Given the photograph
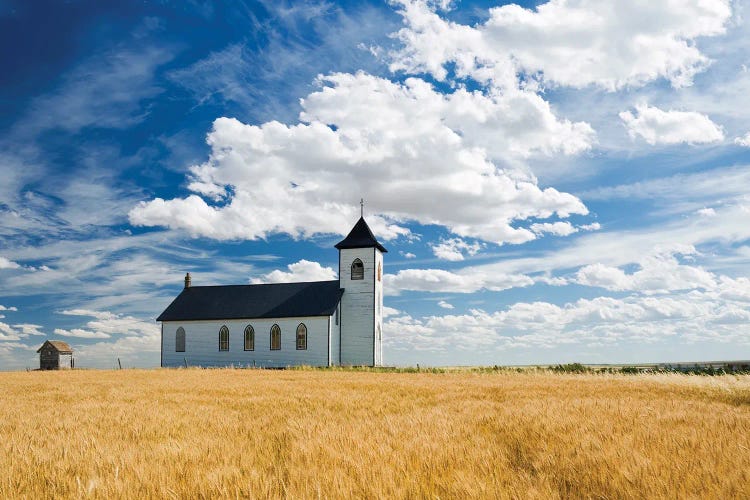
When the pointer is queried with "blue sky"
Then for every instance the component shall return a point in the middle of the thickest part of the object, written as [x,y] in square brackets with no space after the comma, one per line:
[555,182]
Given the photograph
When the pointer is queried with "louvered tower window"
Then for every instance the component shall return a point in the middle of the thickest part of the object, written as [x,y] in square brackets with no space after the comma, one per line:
[358,270]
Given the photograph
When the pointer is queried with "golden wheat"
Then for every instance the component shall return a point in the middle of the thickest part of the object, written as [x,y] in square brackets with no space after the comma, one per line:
[320,434]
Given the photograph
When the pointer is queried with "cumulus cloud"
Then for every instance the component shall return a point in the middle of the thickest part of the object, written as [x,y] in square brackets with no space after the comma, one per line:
[19,331]
[556,228]
[743,141]
[453,249]
[27,329]
[118,335]
[659,272]
[106,324]
[301,271]
[16,332]
[390,311]
[706,212]
[562,228]
[8,264]
[401,145]
[439,280]
[721,315]
[81,333]
[445,305]
[407,255]
[594,226]
[671,127]
[573,43]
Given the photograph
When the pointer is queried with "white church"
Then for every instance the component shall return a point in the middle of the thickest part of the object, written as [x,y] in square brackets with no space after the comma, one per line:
[319,323]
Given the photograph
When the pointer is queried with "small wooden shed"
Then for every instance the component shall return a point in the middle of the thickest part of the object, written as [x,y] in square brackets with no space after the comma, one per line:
[55,355]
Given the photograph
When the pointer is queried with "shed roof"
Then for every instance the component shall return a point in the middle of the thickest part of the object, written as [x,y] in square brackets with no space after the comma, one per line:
[360,237]
[59,345]
[277,300]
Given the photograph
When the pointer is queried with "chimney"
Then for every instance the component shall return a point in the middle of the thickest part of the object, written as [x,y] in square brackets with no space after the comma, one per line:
[187,280]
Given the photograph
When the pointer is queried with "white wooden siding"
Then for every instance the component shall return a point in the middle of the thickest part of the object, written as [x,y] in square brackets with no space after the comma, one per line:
[336,339]
[358,307]
[202,343]
[65,361]
[378,340]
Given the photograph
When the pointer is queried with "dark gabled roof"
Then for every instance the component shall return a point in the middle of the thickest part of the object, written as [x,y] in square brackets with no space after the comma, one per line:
[360,237]
[59,345]
[278,300]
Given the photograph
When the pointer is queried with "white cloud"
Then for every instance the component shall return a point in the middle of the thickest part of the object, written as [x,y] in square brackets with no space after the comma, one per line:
[301,271]
[81,333]
[743,141]
[18,331]
[706,212]
[29,329]
[716,183]
[407,255]
[453,249]
[594,226]
[122,336]
[7,332]
[693,316]
[445,305]
[574,43]
[556,228]
[671,127]
[102,315]
[659,272]
[8,264]
[105,324]
[390,311]
[401,145]
[439,280]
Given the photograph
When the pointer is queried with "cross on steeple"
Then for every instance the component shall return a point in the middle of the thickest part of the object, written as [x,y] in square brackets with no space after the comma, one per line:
[362,207]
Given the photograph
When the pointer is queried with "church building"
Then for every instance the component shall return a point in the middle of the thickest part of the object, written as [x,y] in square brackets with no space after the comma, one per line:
[319,323]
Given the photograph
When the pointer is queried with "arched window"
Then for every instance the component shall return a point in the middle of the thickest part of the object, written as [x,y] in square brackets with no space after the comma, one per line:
[275,338]
[224,338]
[301,337]
[358,270]
[249,338]
[380,271]
[179,340]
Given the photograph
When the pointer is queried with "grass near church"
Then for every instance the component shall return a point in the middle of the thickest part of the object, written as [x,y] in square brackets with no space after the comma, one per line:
[317,434]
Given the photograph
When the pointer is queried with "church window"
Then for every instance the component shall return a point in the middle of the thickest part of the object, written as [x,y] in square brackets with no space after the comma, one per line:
[358,270]
[275,338]
[224,338]
[179,340]
[249,338]
[301,337]
[380,272]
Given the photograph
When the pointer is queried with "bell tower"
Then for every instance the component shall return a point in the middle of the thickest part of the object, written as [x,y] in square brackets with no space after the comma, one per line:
[361,277]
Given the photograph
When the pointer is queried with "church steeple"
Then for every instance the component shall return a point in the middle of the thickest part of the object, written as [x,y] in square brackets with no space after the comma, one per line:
[361,278]
[360,237]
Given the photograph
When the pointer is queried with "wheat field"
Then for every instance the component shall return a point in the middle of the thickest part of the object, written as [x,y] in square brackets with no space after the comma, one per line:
[350,434]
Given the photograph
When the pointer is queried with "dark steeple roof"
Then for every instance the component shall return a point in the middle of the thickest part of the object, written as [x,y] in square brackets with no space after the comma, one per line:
[360,237]
[277,300]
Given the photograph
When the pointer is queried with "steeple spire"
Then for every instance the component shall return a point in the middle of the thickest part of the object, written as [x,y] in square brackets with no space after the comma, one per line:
[362,207]
[360,237]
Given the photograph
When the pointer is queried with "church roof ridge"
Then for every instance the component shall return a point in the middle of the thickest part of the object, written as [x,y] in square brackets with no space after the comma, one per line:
[283,283]
[263,300]
[360,237]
